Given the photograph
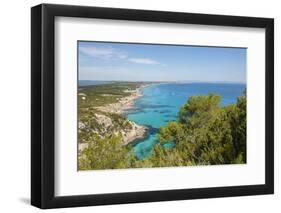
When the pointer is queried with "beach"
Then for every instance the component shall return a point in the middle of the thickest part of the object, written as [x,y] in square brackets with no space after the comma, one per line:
[105,117]
[123,105]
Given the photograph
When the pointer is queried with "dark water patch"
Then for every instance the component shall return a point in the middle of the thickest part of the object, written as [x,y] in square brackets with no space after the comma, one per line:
[154,106]
[165,111]
[170,120]
[170,116]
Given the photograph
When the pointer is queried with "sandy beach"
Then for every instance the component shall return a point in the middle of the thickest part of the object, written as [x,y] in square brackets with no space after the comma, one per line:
[123,105]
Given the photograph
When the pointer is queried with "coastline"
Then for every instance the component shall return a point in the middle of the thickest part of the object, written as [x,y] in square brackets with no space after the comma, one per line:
[137,132]
[124,104]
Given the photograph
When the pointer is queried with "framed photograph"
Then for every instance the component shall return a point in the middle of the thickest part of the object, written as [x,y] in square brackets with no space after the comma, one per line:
[139,106]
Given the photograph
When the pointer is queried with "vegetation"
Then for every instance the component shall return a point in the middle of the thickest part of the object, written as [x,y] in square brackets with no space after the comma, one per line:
[98,130]
[103,94]
[92,97]
[105,153]
[203,134]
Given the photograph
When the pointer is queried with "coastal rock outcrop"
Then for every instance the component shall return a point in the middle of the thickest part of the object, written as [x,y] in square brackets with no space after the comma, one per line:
[109,119]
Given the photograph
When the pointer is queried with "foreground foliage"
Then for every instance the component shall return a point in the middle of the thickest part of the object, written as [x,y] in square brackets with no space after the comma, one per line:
[104,153]
[203,134]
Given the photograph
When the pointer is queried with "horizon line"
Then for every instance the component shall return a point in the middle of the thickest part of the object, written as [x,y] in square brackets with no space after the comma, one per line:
[177,81]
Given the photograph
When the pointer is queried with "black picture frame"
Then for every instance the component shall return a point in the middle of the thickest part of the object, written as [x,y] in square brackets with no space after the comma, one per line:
[43,102]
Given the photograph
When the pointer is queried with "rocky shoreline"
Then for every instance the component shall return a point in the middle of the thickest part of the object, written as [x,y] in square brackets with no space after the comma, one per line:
[124,104]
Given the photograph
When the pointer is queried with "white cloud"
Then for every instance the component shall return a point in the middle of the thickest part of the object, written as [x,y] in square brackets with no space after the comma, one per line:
[111,53]
[104,53]
[143,61]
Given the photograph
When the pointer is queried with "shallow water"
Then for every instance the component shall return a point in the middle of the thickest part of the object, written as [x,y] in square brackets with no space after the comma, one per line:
[160,104]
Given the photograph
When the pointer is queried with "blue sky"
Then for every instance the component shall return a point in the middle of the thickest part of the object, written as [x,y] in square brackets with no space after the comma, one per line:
[145,62]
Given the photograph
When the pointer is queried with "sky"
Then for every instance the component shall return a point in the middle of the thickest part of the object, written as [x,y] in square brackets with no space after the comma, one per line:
[107,61]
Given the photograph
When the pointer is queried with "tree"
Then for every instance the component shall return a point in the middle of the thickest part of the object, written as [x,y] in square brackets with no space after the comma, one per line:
[238,121]
[104,153]
[206,133]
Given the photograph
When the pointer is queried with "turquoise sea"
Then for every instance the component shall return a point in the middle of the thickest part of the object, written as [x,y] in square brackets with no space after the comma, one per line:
[161,102]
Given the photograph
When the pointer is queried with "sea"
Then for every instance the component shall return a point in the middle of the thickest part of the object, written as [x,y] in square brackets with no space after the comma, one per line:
[161,102]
